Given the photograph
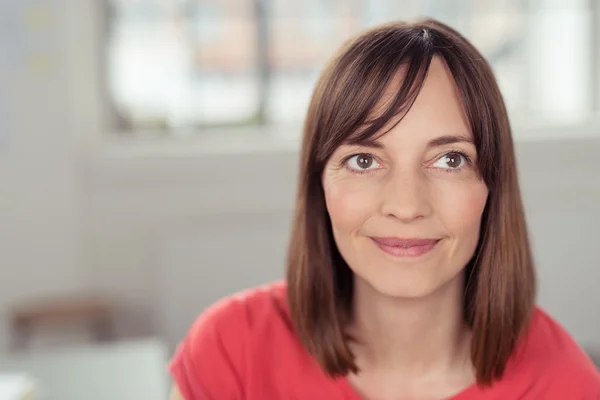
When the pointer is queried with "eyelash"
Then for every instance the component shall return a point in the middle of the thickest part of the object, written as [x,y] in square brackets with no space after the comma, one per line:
[462,154]
[344,163]
[367,171]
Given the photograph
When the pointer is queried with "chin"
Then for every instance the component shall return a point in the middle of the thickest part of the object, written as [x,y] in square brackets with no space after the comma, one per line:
[399,287]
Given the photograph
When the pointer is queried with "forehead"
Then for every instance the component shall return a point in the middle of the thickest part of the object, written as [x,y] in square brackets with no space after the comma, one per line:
[437,109]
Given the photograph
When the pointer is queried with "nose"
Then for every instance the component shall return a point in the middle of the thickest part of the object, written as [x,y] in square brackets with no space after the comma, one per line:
[405,196]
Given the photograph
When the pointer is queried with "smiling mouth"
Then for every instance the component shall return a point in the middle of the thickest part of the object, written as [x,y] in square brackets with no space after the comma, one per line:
[400,247]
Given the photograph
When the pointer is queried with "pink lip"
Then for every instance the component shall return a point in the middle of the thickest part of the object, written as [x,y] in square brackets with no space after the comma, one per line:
[405,247]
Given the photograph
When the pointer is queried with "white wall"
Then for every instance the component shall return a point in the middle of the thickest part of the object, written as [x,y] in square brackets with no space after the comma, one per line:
[168,229]
[175,233]
[39,192]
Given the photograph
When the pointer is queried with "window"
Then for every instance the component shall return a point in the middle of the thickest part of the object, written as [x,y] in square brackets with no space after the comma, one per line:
[182,64]
[178,66]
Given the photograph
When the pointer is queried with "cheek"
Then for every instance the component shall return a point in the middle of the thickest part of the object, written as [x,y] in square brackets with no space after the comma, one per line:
[349,202]
[461,207]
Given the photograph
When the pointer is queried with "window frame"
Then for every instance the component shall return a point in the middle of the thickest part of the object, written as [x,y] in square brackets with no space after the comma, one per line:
[265,71]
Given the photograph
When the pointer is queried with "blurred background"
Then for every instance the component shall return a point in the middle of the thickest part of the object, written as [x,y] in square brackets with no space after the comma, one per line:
[148,156]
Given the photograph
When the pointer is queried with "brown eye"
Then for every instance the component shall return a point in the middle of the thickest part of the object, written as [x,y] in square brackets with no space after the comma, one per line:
[454,160]
[362,162]
[451,161]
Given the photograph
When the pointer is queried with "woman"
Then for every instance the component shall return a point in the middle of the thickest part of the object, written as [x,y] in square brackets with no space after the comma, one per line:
[410,273]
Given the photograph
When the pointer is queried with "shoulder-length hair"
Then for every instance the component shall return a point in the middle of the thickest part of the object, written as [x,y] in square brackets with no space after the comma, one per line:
[500,280]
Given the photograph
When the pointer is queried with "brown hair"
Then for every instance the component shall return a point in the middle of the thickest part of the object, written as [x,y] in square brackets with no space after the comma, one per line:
[500,279]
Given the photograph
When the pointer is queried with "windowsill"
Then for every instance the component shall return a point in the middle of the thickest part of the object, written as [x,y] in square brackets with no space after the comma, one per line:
[266,158]
[218,141]
[280,139]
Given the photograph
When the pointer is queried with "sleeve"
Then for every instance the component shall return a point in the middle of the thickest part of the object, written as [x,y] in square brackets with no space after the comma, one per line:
[208,363]
[591,394]
[576,379]
[594,391]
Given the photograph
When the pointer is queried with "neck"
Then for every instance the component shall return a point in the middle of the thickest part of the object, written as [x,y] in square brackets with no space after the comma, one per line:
[411,335]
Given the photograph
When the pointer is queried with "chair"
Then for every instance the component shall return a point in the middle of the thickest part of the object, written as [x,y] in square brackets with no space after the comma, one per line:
[93,313]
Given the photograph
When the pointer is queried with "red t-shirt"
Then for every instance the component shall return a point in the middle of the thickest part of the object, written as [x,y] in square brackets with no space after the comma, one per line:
[244,348]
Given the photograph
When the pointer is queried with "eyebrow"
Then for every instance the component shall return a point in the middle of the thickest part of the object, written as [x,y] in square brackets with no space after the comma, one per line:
[451,139]
[436,142]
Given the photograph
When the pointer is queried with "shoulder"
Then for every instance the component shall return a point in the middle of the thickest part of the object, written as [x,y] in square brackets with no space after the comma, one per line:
[211,361]
[560,367]
[241,312]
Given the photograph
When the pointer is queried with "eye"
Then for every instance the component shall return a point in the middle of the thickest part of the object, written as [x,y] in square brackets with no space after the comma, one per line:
[451,161]
[362,162]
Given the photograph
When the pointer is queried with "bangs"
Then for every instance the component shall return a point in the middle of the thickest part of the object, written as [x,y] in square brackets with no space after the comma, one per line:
[356,104]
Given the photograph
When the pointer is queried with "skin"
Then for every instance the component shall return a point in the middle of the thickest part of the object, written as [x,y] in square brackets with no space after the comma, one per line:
[419,180]
[176,394]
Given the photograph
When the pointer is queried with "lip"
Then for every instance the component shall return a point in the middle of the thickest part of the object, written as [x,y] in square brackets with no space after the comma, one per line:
[409,248]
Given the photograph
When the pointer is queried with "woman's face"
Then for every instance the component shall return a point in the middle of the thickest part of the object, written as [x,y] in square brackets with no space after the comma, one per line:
[406,209]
